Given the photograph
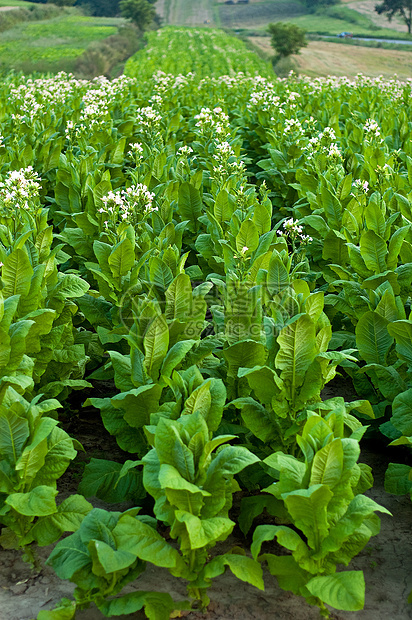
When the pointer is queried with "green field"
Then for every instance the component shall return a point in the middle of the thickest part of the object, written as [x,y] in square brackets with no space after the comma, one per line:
[259,14]
[52,43]
[17,3]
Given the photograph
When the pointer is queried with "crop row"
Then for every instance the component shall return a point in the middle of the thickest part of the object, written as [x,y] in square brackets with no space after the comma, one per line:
[213,249]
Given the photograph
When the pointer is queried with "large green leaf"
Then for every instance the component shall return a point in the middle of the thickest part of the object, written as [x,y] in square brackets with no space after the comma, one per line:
[70,286]
[297,343]
[60,452]
[244,568]
[257,418]
[143,541]
[244,354]
[398,479]
[69,556]
[16,274]
[372,338]
[263,381]
[284,535]
[357,512]
[175,356]
[345,590]
[289,574]
[68,518]
[402,332]
[138,404]
[179,298]
[190,205]
[327,466]
[308,509]
[37,503]
[121,259]
[156,344]
[230,460]
[160,274]
[103,479]
[402,413]
[203,532]
[107,560]
[373,251]
[14,432]
[65,610]
[278,276]
[157,605]
[247,237]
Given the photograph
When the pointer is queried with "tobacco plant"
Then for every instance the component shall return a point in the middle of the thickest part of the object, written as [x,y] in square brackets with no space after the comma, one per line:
[34,453]
[101,559]
[331,519]
[192,482]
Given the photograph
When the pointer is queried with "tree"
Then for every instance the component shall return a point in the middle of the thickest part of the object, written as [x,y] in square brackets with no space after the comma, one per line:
[396,7]
[287,39]
[140,12]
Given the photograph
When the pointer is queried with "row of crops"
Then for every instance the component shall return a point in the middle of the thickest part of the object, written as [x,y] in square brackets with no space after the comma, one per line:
[206,253]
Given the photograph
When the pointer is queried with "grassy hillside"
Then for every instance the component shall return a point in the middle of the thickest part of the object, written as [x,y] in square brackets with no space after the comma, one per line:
[52,44]
[330,21]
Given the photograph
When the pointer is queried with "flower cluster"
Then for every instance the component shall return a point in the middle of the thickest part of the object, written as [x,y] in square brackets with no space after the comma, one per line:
[226,163]
[371,128]
[20,190]
[215,120]
[293,126]
[292,229]
[184,151]
[136,151]
[148,118]
[363,186]
[129,205]
[324,143]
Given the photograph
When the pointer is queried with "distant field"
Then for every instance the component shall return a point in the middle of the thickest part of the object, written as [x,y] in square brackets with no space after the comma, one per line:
[18,3]
[259,14]
[321,58]
[186,12]
[332,26]
[51,41]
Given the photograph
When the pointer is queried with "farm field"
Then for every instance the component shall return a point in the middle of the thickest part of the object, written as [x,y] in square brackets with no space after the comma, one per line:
[186,12]
[206,340]
[321,58]
[52,41]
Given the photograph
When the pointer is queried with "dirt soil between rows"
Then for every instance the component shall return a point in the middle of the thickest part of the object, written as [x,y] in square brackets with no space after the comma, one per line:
[386,561]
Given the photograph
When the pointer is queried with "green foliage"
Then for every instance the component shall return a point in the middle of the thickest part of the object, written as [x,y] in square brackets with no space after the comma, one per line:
[287,39]
[192,485]
[390,8]
[208,251]
[140,12]
[100,560]
[332,521]
[34,453]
